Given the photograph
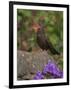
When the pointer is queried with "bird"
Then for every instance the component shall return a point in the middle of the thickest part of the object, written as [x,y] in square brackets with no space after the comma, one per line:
[43,41]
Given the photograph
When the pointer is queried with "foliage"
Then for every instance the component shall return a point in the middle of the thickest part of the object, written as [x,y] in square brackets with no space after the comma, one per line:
[53,28]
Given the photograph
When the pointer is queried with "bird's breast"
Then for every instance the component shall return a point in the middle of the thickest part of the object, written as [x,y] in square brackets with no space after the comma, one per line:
[41,41]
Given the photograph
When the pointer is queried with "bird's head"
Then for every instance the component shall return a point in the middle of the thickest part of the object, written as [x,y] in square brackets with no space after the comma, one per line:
[36,27]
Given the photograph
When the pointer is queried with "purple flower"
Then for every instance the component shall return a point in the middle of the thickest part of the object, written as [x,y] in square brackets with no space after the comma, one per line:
[52,68]
[38,76]
[61,74]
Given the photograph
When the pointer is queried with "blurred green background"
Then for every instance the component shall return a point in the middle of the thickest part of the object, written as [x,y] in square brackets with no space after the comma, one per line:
[26,37]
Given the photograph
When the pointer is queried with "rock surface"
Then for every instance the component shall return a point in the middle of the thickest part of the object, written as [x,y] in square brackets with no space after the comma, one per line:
[28,63]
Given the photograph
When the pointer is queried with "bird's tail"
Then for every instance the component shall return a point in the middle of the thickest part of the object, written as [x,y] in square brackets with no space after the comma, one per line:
[54,51]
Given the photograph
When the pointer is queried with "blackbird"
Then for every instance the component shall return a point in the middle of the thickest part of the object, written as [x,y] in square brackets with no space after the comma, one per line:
[43,41]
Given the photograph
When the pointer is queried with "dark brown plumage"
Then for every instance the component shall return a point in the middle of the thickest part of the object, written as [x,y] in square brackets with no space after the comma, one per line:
[43,42]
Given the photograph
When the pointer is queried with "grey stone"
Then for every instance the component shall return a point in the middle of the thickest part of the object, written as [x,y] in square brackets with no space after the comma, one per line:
[28,63]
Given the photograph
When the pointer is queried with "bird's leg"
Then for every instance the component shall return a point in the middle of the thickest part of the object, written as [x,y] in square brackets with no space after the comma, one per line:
[44,50]
[48,51]
[41,50]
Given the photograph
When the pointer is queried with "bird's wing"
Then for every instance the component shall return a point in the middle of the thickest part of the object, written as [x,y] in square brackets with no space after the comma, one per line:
[51,47]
